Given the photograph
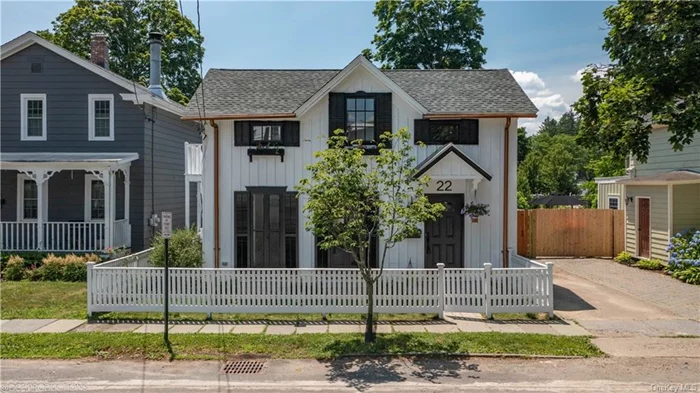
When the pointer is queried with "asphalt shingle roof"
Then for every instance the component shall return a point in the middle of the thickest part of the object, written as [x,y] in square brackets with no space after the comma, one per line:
[231,92]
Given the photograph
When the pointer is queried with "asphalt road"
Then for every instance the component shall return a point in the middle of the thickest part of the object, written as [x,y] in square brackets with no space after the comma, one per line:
[363,375]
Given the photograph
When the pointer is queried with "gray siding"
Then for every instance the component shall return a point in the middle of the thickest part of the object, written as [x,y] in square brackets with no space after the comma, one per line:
[662,157]
[8,195]
[659,219]
[67,86]
[686,207]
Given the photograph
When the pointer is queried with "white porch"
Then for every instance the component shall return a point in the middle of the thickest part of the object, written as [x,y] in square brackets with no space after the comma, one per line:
[99,230]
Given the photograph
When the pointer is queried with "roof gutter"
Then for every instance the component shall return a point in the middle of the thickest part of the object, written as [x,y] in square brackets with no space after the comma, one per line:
[242,116]
[437,116]
[506,150]
[217,247]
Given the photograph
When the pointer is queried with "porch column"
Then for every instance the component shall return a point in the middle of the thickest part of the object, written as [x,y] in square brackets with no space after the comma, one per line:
[39,179]
[113,203]
[127,199]
[199,205]
[187,199]
[107,183]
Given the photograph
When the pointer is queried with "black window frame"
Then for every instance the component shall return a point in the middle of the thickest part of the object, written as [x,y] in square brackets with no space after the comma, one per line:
[362,95]
[266,143]
[467,131]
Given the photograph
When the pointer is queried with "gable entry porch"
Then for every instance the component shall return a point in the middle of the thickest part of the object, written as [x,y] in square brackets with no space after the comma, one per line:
[65,202]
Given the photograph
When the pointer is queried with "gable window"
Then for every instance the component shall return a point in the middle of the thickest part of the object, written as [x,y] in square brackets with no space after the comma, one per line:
[613,202]
[359,120]
[101,117]
[33,123]
[440,132]
[267,133]
[28,198]
[94,198]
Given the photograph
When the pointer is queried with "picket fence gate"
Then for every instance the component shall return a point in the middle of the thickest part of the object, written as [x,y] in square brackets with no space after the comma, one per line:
[485,290]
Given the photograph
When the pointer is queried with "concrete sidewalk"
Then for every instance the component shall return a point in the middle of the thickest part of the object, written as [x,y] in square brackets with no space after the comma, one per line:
[454,323]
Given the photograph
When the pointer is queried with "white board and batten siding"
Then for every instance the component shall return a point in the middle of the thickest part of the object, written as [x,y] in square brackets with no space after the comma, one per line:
[482,242]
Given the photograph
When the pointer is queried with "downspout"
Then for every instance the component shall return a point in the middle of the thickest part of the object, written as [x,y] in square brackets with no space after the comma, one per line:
[506,150]
[216,193]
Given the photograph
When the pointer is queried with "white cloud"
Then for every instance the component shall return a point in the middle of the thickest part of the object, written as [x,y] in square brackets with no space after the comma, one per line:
[578,75]
[547,101]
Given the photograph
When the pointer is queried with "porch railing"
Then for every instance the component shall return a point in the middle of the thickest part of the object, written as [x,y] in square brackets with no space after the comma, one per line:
[122,233]
[19,236]
[74,236]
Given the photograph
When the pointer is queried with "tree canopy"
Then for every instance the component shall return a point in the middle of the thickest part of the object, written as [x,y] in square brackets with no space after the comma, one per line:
[654,47]
[127,24]
[428,34]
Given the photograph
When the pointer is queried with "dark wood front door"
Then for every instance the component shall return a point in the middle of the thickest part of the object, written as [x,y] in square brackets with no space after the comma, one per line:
[643,227]
[444,240]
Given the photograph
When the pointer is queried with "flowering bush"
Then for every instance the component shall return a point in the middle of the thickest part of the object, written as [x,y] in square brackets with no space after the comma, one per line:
[684,250]
[14,271]
[475,209]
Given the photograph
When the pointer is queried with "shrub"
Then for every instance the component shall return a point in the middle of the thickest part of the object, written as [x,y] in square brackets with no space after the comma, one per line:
[31,258]
[684,250]
[75,271]
[650,264]
[92,258]
[52,268]
[14,270]
[624,257]
[690,275]
[185,249]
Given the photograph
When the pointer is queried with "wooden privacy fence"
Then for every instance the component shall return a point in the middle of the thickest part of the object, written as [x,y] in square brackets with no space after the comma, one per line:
[571,232]
[484,290]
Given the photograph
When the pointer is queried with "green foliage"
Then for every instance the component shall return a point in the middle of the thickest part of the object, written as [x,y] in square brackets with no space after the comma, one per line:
[184,249]
[14,270]
[523,201]
[649,264]
[624,257]
[690,275]
[428,34]
[567,124]
[523,144]
[654,47]
[127,24]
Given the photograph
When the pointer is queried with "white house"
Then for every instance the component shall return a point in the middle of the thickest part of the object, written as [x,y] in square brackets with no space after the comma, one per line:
[263,126]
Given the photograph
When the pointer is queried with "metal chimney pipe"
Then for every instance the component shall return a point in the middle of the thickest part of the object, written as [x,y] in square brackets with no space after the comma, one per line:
[155,40]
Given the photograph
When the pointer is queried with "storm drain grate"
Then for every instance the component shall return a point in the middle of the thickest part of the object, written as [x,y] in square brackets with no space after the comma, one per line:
[242,367]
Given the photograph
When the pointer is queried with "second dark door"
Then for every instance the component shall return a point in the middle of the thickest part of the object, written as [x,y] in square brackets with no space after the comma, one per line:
[444,240]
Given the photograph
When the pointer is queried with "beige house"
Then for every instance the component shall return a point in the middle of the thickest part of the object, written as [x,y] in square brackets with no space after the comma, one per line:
[660,197]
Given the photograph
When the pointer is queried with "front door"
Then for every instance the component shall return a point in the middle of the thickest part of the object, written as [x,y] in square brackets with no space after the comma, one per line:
[444,240]
[643,227]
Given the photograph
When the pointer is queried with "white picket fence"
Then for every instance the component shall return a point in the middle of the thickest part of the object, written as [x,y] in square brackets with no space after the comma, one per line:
[485,290]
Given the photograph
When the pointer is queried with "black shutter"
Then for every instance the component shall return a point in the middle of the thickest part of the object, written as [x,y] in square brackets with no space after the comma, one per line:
[336,112]
[242,218]
[290,133]
[241,133]
[469,132]
[421,130]
[291,225]
[382,122]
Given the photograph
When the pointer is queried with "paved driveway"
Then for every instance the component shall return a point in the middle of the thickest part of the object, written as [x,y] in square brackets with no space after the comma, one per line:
[612,300]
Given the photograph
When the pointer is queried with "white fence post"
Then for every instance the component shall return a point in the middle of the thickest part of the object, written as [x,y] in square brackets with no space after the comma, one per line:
[550,288]
[441,289]
[90,266]
[487,290]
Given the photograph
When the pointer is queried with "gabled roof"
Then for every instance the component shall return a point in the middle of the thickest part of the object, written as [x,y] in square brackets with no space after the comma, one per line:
[289,93]
[679,176]
[430,161]
[137,91]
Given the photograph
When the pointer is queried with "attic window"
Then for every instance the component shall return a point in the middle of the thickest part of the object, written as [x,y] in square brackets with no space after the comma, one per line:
[37,68]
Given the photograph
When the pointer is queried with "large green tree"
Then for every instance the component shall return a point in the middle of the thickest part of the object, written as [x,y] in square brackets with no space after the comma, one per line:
[428,34]
[351,200]
[654,47]
[127,24]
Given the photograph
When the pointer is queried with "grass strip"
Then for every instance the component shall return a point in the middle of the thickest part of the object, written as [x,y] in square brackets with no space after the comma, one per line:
[114,346]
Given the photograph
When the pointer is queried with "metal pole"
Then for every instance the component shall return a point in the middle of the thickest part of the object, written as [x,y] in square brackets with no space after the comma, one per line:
[166,291]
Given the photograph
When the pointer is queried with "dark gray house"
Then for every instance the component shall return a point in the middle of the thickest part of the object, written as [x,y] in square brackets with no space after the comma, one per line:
[86,156]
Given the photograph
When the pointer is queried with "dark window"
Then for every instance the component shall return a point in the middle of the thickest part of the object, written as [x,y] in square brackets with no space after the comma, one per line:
[359,119]
[444,132]
[31,200]
[263,133]
[613,203]
[440,132]
[36,68]
[35,118]
[97,200]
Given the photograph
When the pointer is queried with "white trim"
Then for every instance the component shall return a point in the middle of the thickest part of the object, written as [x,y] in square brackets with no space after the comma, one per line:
[359,61]
[24,98]
[21,177]
[669,211]
[92,98]
[609,180]
[28,39]
[636,225]
[87,205]
[616,197]
[661,182]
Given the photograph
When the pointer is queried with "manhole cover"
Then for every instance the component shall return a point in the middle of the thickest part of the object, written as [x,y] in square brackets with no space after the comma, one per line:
[242,367]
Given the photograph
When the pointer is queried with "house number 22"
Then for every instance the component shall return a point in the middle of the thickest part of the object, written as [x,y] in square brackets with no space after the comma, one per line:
[444,185]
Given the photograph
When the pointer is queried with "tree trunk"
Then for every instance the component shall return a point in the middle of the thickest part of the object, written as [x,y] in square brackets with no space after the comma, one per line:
[369,321]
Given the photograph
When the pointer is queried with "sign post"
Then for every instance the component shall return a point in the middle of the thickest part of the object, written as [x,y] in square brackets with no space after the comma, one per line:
[166,232]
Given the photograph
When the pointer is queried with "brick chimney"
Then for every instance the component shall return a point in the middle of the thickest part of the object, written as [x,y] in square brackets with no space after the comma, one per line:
[99,51]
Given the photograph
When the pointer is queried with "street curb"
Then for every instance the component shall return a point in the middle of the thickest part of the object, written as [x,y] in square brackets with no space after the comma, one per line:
[470,355]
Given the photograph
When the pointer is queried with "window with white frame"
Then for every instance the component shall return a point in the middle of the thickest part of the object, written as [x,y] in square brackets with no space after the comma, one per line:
[94,198]
[613,202]
[33,112]
[101,117]
[28,198]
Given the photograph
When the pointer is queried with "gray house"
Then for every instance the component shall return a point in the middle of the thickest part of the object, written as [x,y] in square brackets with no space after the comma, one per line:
[86,156]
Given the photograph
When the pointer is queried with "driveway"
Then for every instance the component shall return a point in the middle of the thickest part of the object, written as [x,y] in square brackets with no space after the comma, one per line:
[615,301]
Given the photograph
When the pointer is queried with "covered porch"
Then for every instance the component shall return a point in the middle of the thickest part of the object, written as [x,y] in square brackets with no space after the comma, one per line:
[65,202]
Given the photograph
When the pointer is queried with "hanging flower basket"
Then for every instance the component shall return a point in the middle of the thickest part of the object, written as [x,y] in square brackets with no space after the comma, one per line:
[474,210]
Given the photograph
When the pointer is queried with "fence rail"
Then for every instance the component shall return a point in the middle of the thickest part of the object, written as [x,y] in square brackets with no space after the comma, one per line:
[118,286]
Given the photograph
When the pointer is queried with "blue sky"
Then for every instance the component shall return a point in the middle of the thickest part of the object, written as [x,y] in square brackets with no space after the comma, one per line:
[544,43]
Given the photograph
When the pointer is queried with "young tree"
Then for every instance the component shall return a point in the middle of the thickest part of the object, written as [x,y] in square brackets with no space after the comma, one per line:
[127,24]
[654,47]
[351,198]
[429,34]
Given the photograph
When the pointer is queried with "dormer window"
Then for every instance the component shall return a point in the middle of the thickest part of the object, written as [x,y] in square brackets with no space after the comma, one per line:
[267,133]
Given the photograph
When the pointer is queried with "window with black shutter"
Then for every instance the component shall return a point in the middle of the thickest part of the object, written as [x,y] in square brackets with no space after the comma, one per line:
[263,134]
[266,228]
[440,132]
[363,116]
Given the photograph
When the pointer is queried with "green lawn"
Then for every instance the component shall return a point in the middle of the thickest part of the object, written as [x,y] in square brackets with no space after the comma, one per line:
[298,346]
[68,300]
